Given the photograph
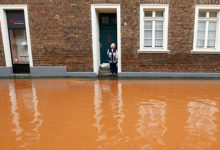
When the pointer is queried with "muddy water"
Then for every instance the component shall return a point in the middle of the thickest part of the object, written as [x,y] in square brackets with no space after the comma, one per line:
[110,115]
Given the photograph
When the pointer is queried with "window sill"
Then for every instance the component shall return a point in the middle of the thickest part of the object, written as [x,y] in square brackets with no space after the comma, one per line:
[205,51]
[153,51]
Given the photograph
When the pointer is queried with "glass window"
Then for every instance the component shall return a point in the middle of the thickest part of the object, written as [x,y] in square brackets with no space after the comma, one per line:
[148,13]
[148,25]
[153,30]
[201,34]
[148,33]
[19,46]
[211,34]
[206,34]
[213,14]
[202,14]
[159,13]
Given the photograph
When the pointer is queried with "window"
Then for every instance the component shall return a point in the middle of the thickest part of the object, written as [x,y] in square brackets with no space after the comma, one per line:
[153,28]
[19,46]
[206,29]
[206,34]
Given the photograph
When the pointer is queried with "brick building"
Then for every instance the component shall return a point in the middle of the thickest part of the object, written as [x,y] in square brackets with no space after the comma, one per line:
[70,37]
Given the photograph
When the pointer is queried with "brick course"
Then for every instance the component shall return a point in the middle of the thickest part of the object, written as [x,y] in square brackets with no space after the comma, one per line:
[61,36]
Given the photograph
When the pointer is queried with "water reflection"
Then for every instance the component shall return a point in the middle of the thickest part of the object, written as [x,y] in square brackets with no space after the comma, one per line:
[118,113]
[24,106]
[98,110]
[109,115]
[151,125]
[15,115]
[201,126]
[115,101]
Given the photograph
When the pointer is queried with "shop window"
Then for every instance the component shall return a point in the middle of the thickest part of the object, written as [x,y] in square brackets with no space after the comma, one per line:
[19,46]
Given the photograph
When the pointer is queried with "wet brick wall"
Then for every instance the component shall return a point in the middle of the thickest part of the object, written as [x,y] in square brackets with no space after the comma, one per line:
[61,36]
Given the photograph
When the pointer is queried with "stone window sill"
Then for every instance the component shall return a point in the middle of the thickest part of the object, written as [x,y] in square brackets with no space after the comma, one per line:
[213,51]
[153,51]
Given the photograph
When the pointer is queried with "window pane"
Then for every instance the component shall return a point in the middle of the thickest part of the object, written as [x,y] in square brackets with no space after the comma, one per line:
[212,35]
[212,14]
[147,43]
[148,25]
[148,13]
[211,43]
[201,25]
[159,25]
[200,43]
[212,25]
[159,13]
[148,34]
[159,34]
[201,35]
[19,46]
[105,20]
[158,43]
[202,14]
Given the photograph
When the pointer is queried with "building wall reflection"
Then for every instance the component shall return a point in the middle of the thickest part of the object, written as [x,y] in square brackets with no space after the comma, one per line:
[25,114]
[201,126]
[109,134]
[151,125]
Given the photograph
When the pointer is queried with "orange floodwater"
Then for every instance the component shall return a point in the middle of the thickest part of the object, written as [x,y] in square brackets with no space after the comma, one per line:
[80,114]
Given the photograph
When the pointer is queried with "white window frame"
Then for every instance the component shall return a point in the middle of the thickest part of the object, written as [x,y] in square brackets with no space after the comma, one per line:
[154,7]
[215,50]
[5,36]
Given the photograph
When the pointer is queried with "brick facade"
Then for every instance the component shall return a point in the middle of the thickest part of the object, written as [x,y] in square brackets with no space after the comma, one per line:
[61,36]
[2,56]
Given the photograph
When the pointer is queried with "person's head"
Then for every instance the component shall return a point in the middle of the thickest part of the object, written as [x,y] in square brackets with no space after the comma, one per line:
[113,45]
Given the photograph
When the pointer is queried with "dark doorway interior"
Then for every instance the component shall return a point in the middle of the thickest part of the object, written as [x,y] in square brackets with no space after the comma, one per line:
[108,33]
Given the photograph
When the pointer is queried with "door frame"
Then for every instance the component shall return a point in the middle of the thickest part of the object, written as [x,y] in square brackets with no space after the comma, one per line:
[95,10]
[5,36]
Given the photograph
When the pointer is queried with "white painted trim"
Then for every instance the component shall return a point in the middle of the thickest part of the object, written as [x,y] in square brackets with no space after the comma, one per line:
[215,50]
[166,23]
[5,36]
[95,33]
[154,51]
[205,52]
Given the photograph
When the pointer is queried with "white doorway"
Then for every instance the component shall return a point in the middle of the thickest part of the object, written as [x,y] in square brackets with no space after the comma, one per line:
[96,9]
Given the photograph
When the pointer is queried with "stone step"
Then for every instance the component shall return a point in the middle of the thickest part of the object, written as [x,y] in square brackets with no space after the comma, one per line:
[103,72]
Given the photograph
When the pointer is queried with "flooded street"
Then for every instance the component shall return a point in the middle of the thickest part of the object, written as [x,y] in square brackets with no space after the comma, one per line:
[74,114]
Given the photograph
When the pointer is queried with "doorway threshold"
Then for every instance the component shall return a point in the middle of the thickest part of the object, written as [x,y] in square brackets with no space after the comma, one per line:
[21,75]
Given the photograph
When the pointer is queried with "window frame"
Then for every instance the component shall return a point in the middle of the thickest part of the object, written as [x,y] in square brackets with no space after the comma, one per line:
[154,8]
[5,33]
[207,8]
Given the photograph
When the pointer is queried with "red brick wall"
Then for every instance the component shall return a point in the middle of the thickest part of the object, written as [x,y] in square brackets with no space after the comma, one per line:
[180,42]
[2,55]
[61,36]
[78,36]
